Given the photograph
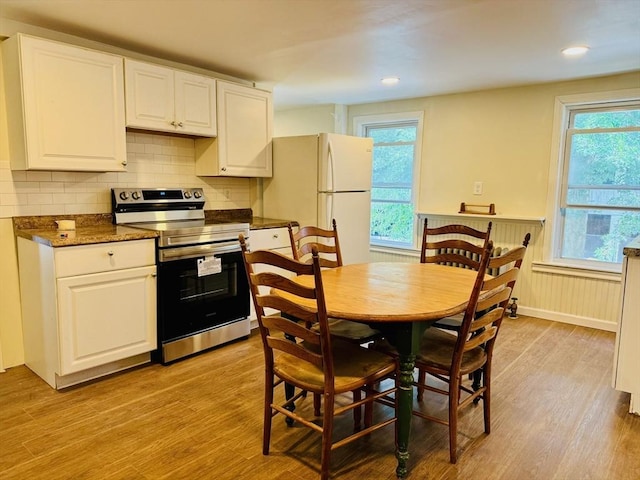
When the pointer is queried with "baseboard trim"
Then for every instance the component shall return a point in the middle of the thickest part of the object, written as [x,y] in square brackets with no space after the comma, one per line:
[567,318]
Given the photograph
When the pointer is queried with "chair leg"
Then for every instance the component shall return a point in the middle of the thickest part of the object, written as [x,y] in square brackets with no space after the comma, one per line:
[289,390]
[477,382]
[327,434]
[357,412]
[454,400]
[422,379]
[268,400]
[368,413]
[316,404]
[486,397]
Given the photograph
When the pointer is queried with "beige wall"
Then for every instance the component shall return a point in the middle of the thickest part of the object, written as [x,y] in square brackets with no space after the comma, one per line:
[308,121]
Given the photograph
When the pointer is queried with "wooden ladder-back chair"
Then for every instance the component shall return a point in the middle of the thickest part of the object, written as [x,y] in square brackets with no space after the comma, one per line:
[314,361]
[328,245]
[449,357]
[463,251]
[496,266]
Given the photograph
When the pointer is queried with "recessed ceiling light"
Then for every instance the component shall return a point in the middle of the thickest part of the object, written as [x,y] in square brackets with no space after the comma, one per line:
[390,80]
[575,51]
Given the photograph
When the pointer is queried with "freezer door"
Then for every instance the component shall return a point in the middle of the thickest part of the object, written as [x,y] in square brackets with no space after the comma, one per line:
[351,211]
[345,163]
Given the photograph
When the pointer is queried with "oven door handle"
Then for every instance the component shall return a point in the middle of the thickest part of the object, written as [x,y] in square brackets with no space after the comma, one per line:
[180,253]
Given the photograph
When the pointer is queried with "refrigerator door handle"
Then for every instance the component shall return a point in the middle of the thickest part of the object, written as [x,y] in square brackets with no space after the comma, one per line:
[329,211]
[330,173]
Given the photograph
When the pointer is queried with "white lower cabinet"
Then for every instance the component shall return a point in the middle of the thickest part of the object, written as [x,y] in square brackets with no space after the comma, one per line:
[88,310]
[105,317]
[626,366]
[275,239]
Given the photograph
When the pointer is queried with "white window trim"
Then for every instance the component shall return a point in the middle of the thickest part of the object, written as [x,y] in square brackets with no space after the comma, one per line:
[554,190]
[360,122]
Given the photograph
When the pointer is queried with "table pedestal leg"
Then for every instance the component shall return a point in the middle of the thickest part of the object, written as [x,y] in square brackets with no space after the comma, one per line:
[405,407]
[406,338]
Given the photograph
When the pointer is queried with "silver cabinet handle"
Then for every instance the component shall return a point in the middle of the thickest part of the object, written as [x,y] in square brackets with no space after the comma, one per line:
[224,169]
[180,124]
[275,235]
[110,253]
[173,123]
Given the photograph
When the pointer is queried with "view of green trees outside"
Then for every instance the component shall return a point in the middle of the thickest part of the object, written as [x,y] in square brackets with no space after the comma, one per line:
[391,192]
[604,171]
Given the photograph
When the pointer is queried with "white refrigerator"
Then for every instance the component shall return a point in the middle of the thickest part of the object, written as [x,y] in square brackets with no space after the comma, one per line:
[320,177]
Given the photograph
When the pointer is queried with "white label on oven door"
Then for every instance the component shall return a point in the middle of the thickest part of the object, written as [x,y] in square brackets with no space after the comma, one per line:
[209,266]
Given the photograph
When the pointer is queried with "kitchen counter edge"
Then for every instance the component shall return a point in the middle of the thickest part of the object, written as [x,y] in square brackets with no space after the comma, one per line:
[91,229]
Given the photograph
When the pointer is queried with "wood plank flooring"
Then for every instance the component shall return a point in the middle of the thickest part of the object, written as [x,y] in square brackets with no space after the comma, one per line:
[555,416]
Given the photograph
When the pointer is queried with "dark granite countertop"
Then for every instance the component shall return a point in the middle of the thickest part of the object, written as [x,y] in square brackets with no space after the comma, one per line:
[99,228]
[89,229]
[632,249]
[259,223]
[246,215]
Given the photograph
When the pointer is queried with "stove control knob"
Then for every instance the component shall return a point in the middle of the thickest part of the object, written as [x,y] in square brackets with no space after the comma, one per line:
[187,194]
[197,194]
[135,195]
[124,195]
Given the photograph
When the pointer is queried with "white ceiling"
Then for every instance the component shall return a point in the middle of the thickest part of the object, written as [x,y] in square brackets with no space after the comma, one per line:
[336,51]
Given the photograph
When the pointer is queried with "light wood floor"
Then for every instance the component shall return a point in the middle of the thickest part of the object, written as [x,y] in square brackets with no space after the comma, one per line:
[555,416]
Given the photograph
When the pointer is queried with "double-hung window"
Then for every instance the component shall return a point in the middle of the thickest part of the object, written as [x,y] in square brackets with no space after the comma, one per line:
[396,140]
[598,206]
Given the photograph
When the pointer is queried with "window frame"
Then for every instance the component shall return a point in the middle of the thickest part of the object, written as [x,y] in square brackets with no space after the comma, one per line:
[557,188]
[360,125]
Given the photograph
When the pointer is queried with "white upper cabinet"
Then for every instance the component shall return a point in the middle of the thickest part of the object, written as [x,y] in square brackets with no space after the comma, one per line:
[245,126]
[167,100]
[65,108]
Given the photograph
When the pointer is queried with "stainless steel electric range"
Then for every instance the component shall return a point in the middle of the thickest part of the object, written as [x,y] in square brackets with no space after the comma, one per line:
[203,293]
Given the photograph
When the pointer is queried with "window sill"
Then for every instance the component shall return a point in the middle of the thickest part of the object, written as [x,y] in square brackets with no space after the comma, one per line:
[409,251]
[576,271]
[516,218]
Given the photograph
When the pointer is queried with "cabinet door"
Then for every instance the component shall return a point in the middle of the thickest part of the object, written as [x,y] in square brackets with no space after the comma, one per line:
[195,104]
[245,118]
[627,355]
[150,96]
[72,107]
[275,239]
[105,317]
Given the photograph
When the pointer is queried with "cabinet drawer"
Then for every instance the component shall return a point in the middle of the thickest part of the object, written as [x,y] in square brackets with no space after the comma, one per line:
[103,257]
[269,238]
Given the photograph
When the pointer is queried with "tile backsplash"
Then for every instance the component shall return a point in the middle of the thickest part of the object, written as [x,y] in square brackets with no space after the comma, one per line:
[152,161]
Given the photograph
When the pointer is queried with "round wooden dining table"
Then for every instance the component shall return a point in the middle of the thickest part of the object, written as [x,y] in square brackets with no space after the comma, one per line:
[401,300]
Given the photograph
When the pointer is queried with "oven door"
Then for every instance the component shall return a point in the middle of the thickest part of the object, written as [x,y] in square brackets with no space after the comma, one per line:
[190,301]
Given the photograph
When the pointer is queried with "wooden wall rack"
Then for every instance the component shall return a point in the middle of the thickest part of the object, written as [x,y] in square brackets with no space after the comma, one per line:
[478,209]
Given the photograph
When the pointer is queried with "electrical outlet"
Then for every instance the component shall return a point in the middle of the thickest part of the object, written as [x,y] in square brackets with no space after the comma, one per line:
[477,188]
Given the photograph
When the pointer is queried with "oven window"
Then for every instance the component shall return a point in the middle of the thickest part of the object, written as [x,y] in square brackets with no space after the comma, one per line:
[188,304]
[208,287]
